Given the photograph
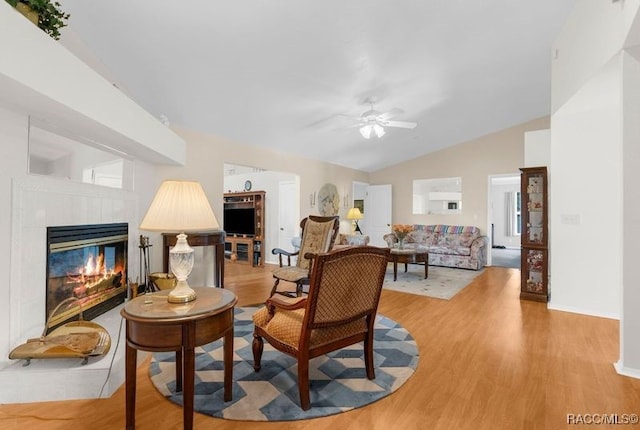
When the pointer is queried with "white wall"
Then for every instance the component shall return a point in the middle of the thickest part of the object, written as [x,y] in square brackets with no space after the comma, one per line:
[629,362]
[537,148]
[596,102]
[592,35]
[586,181]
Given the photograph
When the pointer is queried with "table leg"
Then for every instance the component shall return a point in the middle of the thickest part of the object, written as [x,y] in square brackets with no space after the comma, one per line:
[228,364]
[130,389]
[395,269]
[219,275]
[179,370]
[426,269]
[188,375]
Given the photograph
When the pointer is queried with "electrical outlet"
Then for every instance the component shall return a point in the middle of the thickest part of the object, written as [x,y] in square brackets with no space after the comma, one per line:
[570,219]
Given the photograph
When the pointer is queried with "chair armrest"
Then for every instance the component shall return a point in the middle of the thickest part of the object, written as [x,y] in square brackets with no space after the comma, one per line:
[310,255]
[284,304]
[280,252]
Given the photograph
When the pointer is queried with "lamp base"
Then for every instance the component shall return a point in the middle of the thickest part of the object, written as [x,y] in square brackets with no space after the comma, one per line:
[182,293]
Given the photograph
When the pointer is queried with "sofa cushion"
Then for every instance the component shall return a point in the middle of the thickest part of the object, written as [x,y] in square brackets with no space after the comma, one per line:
[451,250]
[422,238]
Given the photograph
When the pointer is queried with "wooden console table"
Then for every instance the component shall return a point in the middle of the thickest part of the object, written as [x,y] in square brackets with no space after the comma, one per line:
[211,238]
[153,324]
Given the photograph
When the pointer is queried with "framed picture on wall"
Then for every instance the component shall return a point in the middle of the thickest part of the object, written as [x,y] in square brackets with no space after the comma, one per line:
[359,204]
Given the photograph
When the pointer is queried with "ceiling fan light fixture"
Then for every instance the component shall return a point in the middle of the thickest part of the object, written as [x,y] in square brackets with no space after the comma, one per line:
[366,130]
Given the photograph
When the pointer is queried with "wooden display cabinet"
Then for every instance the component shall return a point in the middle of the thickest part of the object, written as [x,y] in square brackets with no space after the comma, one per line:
[239,249]
[534,238]
[247,246]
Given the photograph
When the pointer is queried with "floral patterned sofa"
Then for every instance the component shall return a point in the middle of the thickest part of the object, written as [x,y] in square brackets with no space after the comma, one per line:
[448,245]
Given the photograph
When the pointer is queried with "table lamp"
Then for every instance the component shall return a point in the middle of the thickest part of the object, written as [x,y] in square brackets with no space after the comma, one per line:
[354,215]
[180,206]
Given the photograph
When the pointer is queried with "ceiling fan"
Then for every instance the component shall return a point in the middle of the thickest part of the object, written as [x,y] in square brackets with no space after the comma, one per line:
[373,122]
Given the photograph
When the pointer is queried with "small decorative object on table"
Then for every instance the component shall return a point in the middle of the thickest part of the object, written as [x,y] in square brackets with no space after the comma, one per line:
[401,231]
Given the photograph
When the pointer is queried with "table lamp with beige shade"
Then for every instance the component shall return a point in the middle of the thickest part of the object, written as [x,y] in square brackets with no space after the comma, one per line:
[180,206]
[354,215]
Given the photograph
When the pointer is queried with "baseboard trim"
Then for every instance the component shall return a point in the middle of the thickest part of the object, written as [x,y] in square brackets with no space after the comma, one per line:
[581,311]
[626,371]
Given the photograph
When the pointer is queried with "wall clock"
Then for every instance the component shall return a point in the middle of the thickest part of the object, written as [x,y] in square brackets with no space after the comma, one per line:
[247,185]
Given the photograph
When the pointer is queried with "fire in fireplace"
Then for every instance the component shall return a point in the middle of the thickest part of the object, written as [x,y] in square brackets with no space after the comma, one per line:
[88,263]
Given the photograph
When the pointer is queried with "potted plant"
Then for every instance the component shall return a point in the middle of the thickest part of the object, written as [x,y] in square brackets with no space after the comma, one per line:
[50,17]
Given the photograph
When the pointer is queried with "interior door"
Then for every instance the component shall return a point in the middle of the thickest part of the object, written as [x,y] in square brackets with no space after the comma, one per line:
[288,222]
[377,216]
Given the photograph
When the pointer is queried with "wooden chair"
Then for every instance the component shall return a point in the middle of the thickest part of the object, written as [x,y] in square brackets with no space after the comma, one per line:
[339,310]
[318,235]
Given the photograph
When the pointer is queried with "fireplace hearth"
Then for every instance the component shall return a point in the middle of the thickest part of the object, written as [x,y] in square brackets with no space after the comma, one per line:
[87,263]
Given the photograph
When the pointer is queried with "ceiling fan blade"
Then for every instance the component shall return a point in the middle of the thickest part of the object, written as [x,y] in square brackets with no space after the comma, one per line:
[401,124]
[390,114]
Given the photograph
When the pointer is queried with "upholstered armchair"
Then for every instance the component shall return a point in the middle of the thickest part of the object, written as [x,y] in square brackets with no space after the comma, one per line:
[339,311]
[318,235]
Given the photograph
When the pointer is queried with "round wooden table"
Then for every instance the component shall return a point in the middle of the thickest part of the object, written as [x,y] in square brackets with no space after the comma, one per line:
[153,324]
[409,255]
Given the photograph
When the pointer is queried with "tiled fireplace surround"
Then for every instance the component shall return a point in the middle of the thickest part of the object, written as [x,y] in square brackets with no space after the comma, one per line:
[39,202]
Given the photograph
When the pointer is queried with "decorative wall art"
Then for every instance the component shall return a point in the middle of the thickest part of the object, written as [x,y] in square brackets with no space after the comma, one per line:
[328,200]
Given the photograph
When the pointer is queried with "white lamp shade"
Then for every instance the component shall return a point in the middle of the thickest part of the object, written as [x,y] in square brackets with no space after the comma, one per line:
[180,206]
[354,213]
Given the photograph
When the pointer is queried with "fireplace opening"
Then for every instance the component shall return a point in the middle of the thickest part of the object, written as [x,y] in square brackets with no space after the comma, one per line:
[87,263]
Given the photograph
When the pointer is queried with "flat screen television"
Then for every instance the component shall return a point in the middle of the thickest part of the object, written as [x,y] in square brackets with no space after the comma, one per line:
[239,221]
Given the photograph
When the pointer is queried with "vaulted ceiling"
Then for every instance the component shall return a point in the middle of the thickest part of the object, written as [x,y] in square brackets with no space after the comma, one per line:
[294,75]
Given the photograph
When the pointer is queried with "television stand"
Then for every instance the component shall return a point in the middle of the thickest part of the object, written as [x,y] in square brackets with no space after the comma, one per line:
[244,250]
[239,247]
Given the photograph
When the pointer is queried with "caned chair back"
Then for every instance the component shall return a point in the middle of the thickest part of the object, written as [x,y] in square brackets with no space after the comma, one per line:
[345,286]
[318,235]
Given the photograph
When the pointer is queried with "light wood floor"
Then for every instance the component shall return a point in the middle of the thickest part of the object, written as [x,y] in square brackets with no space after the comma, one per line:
[487,361]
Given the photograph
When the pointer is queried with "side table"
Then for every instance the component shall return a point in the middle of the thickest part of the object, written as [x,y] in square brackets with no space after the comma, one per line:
[155,325]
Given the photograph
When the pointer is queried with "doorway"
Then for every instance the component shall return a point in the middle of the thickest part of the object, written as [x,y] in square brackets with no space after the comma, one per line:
[278,202]
[504,220]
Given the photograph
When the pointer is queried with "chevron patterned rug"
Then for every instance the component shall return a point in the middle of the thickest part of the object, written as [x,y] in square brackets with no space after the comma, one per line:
[338,380]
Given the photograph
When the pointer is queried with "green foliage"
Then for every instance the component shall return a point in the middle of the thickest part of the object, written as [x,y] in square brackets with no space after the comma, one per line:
[51,17]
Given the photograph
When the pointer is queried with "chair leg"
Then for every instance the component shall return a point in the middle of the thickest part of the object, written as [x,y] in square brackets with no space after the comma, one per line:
[257,346]
[275,286]
[303,383]
[368,355]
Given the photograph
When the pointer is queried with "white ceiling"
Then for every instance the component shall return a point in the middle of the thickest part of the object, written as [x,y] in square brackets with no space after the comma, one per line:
[289,74]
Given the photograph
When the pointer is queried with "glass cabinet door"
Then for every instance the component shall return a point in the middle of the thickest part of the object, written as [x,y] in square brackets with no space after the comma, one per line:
[535,209]
[534,238]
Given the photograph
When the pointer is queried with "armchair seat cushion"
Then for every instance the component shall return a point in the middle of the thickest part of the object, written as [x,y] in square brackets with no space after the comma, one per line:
[286,327]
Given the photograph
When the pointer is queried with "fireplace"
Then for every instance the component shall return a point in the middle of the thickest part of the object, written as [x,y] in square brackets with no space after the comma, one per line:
[87,263]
